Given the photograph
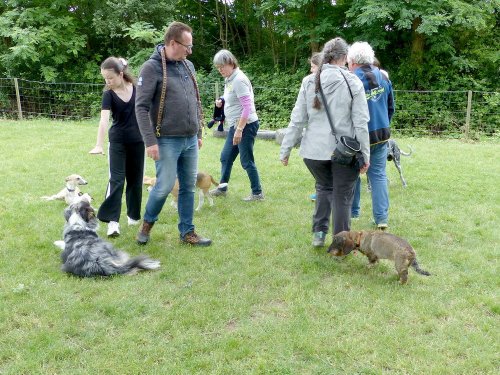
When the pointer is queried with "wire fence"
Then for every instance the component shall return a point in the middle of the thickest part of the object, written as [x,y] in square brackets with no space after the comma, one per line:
[443,113]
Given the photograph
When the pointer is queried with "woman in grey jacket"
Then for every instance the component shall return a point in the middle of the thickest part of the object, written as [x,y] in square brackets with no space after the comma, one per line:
[349,114]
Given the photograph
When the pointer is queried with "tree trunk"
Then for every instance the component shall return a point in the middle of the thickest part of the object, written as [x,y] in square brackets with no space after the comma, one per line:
[417,43]
[417,53]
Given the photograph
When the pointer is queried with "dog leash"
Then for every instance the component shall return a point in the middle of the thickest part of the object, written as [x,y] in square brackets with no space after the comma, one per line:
[164,92]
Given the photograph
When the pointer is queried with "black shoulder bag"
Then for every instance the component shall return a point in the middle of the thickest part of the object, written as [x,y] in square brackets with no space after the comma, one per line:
[348,149]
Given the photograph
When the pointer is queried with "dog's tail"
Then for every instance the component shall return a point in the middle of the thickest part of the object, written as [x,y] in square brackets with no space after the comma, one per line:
[407,153]
[417,268]
[141,262]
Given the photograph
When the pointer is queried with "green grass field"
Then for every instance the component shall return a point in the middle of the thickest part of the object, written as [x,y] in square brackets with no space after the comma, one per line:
[261,300]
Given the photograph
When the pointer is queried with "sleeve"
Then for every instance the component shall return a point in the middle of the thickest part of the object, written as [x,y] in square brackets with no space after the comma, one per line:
[242,87]
[146,90]
[107,100]
[298,120]
[246,103]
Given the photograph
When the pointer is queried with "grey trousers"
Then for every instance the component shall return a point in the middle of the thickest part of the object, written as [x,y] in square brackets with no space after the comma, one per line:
[334,193]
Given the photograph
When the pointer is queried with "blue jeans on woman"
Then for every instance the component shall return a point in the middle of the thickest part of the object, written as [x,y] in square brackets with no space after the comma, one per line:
[245,150]
[378,181]
[178,159]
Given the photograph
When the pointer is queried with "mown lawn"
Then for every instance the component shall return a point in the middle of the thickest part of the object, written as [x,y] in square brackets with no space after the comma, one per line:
[261,300]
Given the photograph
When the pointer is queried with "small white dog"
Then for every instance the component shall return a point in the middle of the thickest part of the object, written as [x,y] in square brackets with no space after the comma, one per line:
[71,193]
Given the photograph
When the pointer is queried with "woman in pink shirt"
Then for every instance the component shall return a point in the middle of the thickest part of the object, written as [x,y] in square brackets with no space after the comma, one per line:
[239,109]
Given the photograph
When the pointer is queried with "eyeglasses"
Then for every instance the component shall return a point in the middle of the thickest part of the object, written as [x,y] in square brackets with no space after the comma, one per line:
[188,46]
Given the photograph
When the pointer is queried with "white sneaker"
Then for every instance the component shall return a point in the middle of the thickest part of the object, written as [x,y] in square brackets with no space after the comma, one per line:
[132,221]
[113,229]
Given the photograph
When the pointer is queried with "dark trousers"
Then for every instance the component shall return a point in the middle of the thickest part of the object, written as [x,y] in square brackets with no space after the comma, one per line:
[245,150]
[334,192]
[126,163]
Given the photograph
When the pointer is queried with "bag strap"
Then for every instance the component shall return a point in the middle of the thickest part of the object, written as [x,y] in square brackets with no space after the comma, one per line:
[326,106]
[327,112]
[197,91]
[349,87]
[163,92]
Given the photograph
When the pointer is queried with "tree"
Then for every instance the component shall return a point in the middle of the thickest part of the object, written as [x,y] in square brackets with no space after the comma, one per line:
[425,38]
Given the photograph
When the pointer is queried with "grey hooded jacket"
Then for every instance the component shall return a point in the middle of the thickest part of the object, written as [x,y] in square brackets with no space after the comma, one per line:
[180,113]
[349,116]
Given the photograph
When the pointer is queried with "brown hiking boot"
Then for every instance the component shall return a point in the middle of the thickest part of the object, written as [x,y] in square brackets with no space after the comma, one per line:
[194,239]
[143,235]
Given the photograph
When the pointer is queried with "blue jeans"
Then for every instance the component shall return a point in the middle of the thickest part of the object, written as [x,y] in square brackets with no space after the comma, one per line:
[378,180]
[178,159]
[245,150]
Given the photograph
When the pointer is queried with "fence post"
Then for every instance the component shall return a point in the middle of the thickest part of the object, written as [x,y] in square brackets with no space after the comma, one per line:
[216,90]
[18,97]
[467,116]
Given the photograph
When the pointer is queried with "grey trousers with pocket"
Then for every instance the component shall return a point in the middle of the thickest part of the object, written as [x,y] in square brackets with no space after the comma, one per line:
[334,193]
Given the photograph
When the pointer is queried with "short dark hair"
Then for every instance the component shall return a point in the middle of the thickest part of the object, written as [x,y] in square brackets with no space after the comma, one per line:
[175,30]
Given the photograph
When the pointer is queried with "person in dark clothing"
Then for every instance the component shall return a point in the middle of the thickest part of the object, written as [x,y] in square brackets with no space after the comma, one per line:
[126,148]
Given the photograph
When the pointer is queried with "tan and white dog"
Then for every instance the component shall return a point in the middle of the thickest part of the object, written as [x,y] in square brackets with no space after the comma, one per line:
[71,193]
[203,182]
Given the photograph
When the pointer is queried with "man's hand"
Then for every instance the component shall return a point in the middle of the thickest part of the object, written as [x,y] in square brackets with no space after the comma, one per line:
[153,152]
[284,161]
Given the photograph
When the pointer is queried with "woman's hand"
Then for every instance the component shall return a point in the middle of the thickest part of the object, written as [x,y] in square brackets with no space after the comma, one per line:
[237,136]
[284,161]
[97,150]
[364,168]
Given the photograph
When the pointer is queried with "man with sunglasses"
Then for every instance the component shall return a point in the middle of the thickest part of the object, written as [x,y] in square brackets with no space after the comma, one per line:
[168,111]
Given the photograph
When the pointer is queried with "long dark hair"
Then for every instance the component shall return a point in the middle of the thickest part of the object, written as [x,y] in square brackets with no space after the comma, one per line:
[334,50]
[118,65]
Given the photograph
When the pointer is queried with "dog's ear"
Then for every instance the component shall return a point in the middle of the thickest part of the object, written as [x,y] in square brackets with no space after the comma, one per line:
[86,211]
[349,245]
[336,248]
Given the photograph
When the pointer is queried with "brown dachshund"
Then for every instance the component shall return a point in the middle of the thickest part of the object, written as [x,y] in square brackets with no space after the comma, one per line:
[378,245]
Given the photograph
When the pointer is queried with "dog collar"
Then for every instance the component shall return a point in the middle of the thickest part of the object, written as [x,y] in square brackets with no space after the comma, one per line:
[70,189]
